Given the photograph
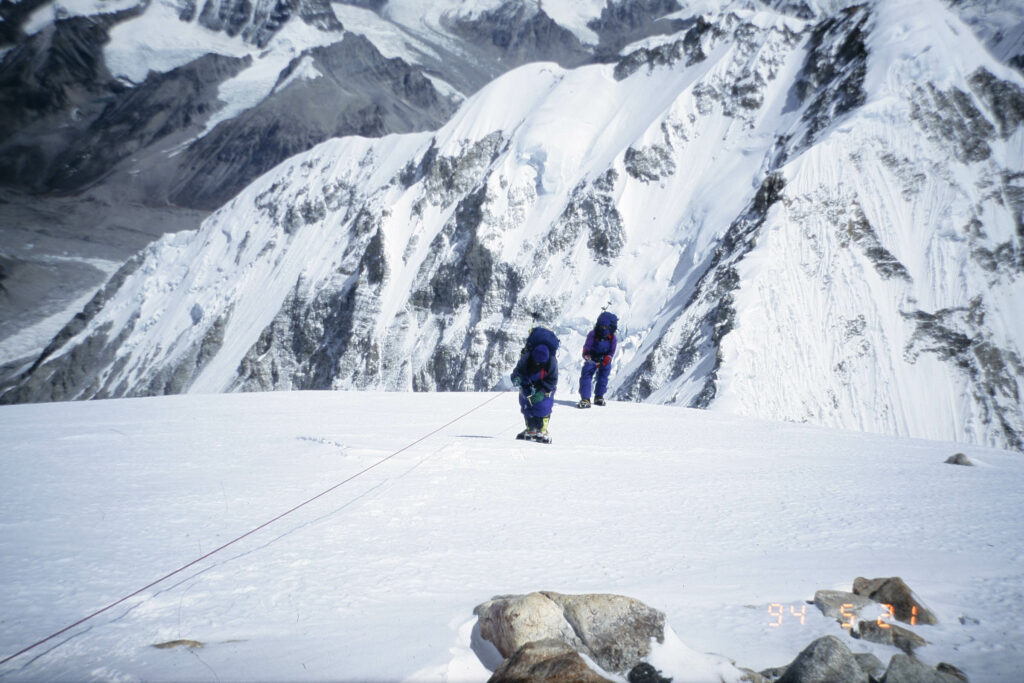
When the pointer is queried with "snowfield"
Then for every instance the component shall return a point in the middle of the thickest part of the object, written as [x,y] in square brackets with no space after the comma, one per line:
[710,518]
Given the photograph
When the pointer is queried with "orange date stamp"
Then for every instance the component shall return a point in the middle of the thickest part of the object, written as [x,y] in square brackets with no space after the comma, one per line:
[778,613]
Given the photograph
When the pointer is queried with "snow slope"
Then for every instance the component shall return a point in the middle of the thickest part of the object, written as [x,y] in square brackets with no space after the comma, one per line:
[707,517]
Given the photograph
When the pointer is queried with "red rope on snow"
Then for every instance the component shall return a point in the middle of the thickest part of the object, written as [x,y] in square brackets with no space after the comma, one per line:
[245,535]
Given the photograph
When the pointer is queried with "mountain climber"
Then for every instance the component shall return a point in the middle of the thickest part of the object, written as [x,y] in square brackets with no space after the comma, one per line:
[598,350]
[536,375]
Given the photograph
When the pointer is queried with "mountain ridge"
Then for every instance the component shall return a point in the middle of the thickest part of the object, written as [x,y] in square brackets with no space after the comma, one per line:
[438,250]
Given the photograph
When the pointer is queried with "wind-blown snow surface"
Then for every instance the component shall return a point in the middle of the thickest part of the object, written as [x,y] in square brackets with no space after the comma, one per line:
[802,220]
[706,517]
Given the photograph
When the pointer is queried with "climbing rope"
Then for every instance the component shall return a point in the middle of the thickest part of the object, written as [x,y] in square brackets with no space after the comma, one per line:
[245,535]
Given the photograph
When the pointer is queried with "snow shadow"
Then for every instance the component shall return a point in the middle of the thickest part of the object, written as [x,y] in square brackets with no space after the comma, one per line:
[484,649]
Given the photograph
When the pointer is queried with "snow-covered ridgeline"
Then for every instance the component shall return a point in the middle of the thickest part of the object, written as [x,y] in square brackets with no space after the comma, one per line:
[776,209]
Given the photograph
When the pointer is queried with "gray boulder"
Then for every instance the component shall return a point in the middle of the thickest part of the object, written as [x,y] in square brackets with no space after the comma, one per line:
[950,670]
[959,459]
[871,664]
[889,634]
[905,669]
[893,591]
[613,630]
[511,621]
[840,605]
[826,660]
[548,660]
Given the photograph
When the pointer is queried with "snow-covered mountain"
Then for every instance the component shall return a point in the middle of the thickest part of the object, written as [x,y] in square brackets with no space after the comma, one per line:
[727,525]
[186,102]
[122,121]
[808,215]
[191,101]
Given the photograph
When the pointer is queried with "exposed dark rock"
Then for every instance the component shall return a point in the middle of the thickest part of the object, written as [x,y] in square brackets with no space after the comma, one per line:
[906,669]
[258,20]
[894,591]
[78,323]
[184,642]
[1004,99]
[516,33]
[626,21]
[545,660]
[60,66]
[78,373]
[751,676]
[955,336]
[797,8]
[649,164]
[12,16]
[826,660]
[959,459]
[52,85]
[645,673]
[591,210]
[374,5]
[832,78]
[166,104]
[912,178]
[689,47]
[446,178]
[949,669]
[176,378]
[889,634]
[858,231]
[1006,258]
[952,119]
[870,664]
[307,345]
[453,283]
[360,92]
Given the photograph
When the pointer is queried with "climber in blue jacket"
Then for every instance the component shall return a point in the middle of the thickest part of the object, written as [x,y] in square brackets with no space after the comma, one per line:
[536,375]
[598,350]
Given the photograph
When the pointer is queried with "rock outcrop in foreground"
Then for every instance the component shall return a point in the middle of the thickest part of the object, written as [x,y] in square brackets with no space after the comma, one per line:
[548,636]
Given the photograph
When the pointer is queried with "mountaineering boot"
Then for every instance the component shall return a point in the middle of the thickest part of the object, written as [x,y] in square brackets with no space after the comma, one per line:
[525,434]
[584,403]
[599,400]
[539,431]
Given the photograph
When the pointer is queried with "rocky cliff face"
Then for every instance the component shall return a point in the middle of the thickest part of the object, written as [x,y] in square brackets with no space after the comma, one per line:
[795,219]
[258,22]
[73,125]
[355,91]
[69,122]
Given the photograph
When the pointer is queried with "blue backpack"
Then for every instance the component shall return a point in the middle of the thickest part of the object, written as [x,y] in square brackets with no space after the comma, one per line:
[609,320]
[541,335]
